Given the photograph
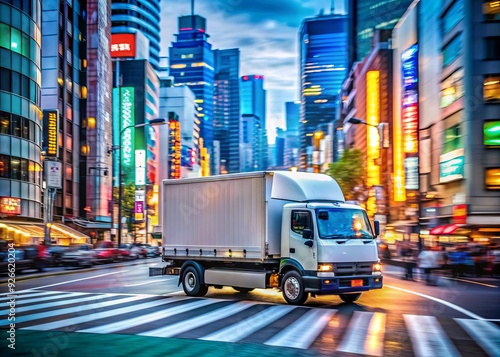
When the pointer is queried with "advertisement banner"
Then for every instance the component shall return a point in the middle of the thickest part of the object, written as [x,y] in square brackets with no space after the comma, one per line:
[51,133]
[10,205]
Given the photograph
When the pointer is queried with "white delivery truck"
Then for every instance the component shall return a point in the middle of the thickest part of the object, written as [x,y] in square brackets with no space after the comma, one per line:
[278,229]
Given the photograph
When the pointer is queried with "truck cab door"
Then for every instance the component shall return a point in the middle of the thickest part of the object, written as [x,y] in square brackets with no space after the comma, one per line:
[304,253]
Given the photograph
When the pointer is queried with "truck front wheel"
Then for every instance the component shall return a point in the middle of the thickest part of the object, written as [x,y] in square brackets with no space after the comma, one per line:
[191,283]
[350,297]
[293,288]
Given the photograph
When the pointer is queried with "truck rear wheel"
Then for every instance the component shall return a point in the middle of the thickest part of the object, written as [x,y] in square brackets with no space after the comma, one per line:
[350,297]
[191,283]
[292,288]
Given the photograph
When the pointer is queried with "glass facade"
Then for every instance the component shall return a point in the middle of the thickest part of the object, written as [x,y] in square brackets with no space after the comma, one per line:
[323,68]
[227,109]
[192,63]
[127,16]
[20,99]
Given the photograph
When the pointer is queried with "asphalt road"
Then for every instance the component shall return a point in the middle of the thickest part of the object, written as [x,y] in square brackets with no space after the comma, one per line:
[405,318]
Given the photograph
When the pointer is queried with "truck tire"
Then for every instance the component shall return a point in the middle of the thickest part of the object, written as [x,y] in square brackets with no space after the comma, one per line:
[242,290]
[350,297]
[292,288]
[191,283]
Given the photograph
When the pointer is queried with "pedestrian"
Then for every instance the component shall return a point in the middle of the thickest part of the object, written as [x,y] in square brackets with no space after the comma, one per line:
[427,260]
[409,259]
[41,256]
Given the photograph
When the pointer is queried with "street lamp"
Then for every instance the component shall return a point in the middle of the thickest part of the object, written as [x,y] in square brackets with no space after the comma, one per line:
[359,121]
[152,122]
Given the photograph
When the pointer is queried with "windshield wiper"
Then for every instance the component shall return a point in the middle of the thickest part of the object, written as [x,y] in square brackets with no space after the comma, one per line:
[364,236]
[331,236]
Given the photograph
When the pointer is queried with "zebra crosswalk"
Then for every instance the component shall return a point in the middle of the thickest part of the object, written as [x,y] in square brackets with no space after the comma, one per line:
[208,319]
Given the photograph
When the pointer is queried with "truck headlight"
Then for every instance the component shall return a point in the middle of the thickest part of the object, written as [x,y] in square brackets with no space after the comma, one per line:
[325,267]
[377,267]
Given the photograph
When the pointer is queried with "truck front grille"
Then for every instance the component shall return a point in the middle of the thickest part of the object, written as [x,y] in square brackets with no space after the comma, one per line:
[348,269]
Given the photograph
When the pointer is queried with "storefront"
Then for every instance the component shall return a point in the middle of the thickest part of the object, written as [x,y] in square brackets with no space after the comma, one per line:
[22,233]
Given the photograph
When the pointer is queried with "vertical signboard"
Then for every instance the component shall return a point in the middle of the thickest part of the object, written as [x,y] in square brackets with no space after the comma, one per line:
[53,174]
[174,148]
[51,133]
[127,118]
[409,115]
[372,136]
[139,205]
[140,167]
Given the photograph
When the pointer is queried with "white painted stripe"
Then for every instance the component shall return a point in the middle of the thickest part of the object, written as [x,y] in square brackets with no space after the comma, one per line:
[470,281]
[96,316]
[72,281]
[486,334]
[428,338]
[33,294]
[78,309]
[145,283]
[199,321]
[449,304]
[62,303]
[248,326]
[304,331]
[157,315]
[47,298]
[365,334]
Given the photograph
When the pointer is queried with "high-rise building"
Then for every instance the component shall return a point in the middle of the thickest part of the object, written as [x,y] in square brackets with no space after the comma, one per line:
[20,115]
[192,63]
[366,16]
[227,109]
[292,142]
[323,68]
[280,147]
[139,15]
[64,88]
[253,104]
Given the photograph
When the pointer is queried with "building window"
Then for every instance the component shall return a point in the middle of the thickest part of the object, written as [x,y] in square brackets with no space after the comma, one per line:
[4,123]
[492,178]
[452,17]
[452,139]
[24,170]
[4,166]
[15,168]
[491,131]
[491,88]
[452,88]
[491,10]
[492,48]
[452,50]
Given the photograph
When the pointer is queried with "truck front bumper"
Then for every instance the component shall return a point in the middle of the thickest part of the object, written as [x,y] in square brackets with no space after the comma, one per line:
[342,284]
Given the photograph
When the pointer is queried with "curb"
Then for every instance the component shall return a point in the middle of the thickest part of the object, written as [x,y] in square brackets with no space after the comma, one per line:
[66,272]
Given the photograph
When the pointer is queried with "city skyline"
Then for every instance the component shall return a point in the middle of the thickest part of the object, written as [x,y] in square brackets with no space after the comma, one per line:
[266,34]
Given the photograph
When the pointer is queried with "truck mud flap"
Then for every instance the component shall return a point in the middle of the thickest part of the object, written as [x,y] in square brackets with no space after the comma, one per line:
[155,271]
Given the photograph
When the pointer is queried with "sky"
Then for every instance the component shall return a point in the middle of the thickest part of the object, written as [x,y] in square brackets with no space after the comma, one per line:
[265,31]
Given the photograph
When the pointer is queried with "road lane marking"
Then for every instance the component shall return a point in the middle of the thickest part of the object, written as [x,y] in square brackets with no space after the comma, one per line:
[72,281]
[303,332]
[449,304]
[96,316]
[365,334]
[470,281]
[53,303]
[149,282]
[428,338]
[486,334]
[28,293]
[78,309]
[199,321]
[246,327]
[157,315]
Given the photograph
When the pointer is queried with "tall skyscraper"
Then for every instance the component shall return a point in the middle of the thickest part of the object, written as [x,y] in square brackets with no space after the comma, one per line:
[366,16]
[227,108]
[20,114]
[192,64]
[253,109]
[292,142]
[292,117]
[143,15]
[64,88]
[323,68]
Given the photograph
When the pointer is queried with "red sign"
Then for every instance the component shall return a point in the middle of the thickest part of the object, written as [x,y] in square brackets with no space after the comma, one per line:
[460,214]
[122,45]
[10,205]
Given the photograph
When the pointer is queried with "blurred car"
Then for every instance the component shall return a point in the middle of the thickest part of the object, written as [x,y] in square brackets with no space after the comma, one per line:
[105,251]
[153,251]
[78,255]
[26,258]
[140,249]
[128,251]
[54,254]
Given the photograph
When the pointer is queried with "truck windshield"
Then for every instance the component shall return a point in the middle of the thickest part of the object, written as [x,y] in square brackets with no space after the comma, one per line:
[343,223]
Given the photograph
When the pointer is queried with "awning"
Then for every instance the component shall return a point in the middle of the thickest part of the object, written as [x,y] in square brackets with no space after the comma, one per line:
[37,230]
[449,229]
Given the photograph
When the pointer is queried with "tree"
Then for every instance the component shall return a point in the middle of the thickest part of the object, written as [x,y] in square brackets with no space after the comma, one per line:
[350,174]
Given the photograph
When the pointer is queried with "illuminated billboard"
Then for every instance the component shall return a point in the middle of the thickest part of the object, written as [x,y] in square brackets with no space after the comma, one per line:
[127,118]
[451,166]
[174,148]
[10,205]
[51,132]
[123,45]
[491,132]
[410,116]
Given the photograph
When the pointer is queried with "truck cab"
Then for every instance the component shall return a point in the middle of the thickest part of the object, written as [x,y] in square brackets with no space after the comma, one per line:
[332,247]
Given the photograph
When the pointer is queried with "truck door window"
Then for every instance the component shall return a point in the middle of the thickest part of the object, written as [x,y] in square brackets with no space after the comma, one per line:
[300,221]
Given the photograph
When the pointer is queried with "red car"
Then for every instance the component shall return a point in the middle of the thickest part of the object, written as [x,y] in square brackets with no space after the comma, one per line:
[105,251]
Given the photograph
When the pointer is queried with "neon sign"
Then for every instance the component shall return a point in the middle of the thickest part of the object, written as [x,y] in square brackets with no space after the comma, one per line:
[127,113]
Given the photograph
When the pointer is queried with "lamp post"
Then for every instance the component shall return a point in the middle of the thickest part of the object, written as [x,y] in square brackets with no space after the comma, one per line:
[152,122]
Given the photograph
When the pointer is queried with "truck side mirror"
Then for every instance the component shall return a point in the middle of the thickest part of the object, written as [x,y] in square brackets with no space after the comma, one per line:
[307,233]
[377,228]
